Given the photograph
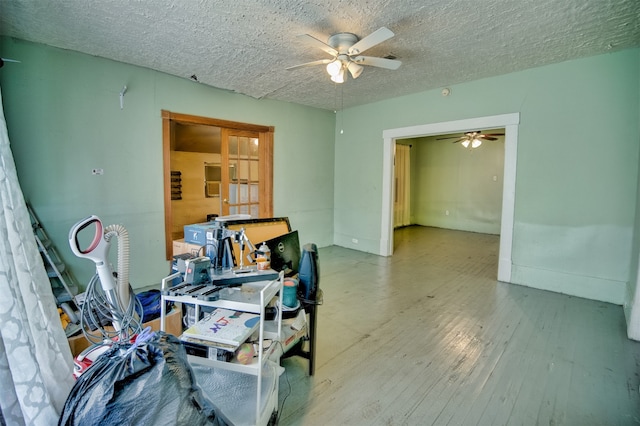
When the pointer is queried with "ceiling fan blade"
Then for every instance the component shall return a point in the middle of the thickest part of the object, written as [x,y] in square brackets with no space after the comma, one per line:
[376,37]
[488,138]
[390,64]
[308,64]
[492,134]
[312,41]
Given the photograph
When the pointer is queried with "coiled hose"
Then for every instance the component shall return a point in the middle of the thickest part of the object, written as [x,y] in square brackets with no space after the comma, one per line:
[122,234]
[97,310]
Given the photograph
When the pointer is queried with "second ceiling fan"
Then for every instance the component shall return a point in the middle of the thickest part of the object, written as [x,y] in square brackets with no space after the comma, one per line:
[473,138]
[346,53]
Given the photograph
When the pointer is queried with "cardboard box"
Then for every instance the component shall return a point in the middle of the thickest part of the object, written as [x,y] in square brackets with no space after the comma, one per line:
[173,326]
[181,247]
[195,233]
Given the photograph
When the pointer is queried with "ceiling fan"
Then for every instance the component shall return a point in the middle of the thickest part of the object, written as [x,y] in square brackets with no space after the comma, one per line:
[346,53]
[473,138]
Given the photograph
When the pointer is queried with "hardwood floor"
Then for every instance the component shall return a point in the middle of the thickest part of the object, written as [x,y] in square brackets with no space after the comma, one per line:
[429,336]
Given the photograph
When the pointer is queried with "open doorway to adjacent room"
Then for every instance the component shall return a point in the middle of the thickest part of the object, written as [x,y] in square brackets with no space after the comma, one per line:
[469,211]
[440,182]
[213,167]
[448,193]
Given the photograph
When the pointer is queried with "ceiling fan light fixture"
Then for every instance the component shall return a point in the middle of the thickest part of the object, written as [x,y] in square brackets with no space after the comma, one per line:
[476,143]
[334,68]
[465,143]
[338,78]
[345,50]
[355,69]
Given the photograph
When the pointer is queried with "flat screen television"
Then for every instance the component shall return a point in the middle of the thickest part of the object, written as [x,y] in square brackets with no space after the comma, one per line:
[285,253]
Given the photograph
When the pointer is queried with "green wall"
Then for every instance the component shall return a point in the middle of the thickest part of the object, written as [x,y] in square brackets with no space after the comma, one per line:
[64,119]
[632,302]
[455,187]
[576,176]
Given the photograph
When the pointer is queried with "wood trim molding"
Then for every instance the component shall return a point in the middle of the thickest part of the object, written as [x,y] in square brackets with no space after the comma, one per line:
[266,160]
[166,160]
[194,119]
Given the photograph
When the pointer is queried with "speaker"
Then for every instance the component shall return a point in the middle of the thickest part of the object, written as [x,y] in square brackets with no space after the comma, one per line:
[309,274]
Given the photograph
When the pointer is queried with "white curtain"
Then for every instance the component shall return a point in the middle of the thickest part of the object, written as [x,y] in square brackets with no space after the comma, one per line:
[35,360]
[402,202]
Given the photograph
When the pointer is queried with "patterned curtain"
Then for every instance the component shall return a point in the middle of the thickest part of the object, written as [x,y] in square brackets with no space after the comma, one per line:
[35,360]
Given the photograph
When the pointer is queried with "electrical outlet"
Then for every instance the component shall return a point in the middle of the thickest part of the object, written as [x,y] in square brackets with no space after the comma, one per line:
[97,171]
[446,212]
[354,240]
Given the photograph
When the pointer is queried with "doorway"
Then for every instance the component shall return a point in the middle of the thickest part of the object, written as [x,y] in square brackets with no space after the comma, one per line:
[507,121]
[453,185]
[214,168]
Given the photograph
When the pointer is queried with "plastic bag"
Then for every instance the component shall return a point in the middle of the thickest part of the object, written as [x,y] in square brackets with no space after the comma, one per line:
[148,383]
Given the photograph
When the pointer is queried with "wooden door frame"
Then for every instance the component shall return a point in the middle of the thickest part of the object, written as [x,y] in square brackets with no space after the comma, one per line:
[266,150]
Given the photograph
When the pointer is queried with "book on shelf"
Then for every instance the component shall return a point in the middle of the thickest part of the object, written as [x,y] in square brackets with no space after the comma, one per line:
[224,326]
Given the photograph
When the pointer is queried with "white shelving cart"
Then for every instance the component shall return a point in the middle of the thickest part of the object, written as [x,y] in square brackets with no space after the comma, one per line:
[246,394]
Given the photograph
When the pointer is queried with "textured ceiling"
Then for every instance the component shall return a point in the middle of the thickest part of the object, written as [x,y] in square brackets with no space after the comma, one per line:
[245,46]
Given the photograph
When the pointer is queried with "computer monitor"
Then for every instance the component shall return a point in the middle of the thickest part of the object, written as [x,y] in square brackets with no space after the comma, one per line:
[285,253]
